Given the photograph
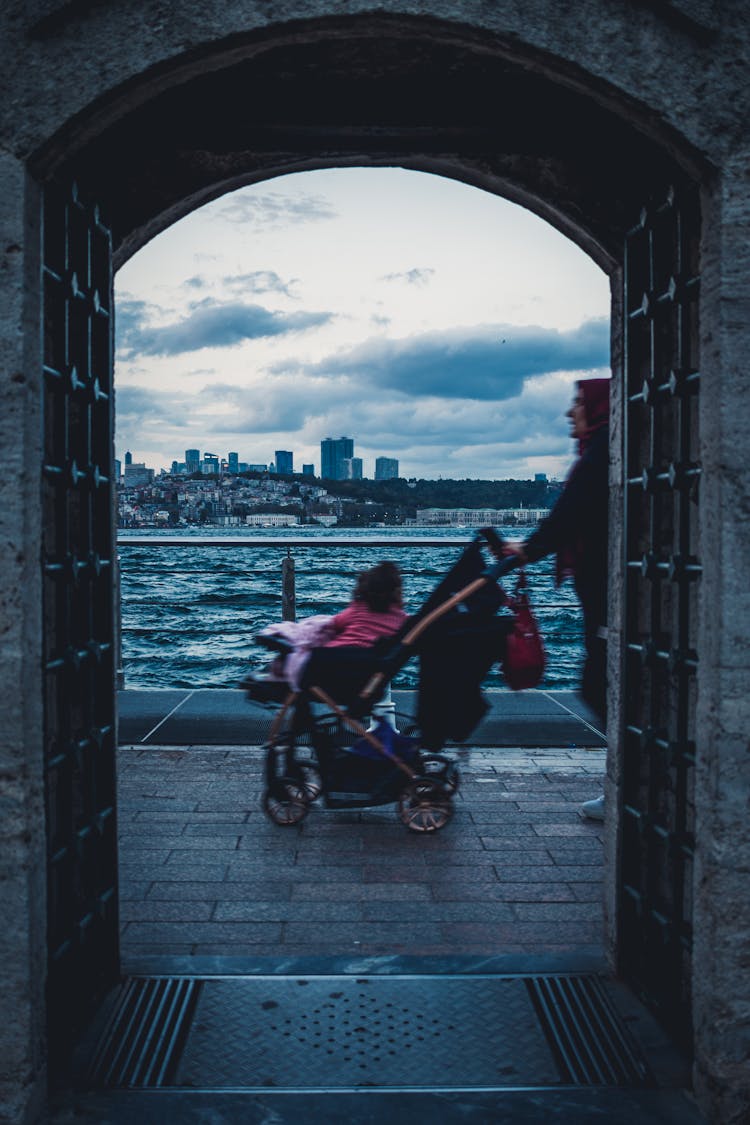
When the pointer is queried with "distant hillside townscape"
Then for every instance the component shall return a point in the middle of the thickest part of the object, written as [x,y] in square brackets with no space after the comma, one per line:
[265,499]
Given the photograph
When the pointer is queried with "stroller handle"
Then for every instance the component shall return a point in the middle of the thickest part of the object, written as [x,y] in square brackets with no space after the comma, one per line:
[492,573]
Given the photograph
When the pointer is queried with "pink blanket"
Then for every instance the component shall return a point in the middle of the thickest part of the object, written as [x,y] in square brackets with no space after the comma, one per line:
[305,635]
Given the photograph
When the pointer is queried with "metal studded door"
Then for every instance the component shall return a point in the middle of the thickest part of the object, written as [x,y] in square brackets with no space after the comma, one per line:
[78,544]
[663,552]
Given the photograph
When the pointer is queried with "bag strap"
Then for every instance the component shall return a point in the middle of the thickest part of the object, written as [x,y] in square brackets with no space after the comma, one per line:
[511,601]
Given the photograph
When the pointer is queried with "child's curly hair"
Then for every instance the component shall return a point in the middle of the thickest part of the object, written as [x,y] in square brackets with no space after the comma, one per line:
[380,587]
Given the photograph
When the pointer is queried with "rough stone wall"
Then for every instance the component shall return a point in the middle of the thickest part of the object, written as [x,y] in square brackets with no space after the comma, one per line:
[681,74]
[22,818]
[722,875]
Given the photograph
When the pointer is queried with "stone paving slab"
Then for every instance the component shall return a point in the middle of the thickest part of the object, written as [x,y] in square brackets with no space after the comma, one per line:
[204,872]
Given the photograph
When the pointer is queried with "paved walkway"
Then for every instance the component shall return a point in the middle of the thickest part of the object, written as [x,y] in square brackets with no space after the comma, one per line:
[204,872]
[225,717]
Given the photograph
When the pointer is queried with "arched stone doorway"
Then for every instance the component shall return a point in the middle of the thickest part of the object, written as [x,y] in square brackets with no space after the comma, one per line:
[528,111]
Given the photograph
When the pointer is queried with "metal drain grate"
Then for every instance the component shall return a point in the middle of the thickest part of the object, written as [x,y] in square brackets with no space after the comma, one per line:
[462,1032]
[142,1044]
[589,1043]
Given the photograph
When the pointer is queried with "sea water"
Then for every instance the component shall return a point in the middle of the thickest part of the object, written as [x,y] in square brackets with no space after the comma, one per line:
[190,613]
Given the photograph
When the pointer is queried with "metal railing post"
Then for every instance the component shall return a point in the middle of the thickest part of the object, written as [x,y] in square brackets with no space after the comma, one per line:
[288,597]
[119,670]
[386,709]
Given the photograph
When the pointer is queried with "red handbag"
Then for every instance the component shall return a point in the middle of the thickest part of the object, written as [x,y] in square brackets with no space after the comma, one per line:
[525,658]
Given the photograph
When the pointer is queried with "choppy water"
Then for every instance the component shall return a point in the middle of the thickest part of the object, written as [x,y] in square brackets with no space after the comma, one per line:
[189,613]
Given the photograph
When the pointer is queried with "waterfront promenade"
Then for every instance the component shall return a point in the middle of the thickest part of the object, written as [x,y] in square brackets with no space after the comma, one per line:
[418,954]
[205,874]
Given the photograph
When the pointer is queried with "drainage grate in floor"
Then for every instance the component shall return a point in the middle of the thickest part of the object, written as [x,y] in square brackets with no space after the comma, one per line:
[590,1044]
[142,1044]
[384,1032]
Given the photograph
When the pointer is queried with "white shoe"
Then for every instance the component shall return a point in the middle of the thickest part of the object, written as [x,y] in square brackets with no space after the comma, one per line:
[594,810]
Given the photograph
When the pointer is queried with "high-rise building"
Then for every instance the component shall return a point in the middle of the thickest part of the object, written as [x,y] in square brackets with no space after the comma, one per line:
[128,458]
[284,461]
[386,468]
[136,474]
[333,453]
[192,460]
[308,470]
[234,462]
[353,468]
[540,478]
[118,471]
[210,463]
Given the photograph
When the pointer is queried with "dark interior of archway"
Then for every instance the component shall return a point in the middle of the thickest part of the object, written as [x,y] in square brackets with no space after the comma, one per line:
[378,97]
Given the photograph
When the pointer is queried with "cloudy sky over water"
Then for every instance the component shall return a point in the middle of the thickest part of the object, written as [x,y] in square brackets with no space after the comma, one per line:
[428,320]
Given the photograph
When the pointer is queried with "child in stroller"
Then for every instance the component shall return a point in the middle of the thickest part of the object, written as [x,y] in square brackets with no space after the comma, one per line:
[457,635]
[374,613]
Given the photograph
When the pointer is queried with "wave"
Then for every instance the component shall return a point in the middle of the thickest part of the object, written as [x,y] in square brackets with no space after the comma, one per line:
[189,614]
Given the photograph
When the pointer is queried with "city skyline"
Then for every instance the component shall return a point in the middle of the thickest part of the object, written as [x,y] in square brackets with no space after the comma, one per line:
[384,468]
[449,323]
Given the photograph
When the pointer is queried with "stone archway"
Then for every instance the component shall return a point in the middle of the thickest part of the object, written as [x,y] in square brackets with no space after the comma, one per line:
[528,110]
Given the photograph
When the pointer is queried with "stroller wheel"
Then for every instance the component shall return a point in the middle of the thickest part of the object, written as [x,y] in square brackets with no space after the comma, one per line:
[282,803]
[424,805]
[304,782]
[441,769]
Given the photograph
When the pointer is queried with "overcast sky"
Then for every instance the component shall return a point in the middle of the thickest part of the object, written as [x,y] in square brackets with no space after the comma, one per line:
[425,319]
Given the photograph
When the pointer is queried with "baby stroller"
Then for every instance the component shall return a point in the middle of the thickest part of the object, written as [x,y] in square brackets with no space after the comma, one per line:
[318,746]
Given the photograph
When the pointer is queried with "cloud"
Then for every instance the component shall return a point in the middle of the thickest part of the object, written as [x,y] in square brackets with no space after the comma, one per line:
[458,438]
[274,210]
[209,325]
[411,277]
[260,281]
[532,421]
[483,363]
[140,409]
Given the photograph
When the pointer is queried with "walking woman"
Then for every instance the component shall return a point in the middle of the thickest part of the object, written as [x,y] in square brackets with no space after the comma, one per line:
[576,530]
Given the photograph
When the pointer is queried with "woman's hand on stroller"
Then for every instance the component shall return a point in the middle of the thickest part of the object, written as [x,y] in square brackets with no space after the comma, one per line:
[517,550]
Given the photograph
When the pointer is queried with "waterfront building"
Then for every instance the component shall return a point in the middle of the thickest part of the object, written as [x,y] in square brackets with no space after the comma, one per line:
[479,517]
[333,453]
[386,468]
[271,519]
[284,461]
[192,461]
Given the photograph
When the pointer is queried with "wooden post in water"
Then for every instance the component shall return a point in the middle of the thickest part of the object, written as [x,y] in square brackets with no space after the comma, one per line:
[288,598]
